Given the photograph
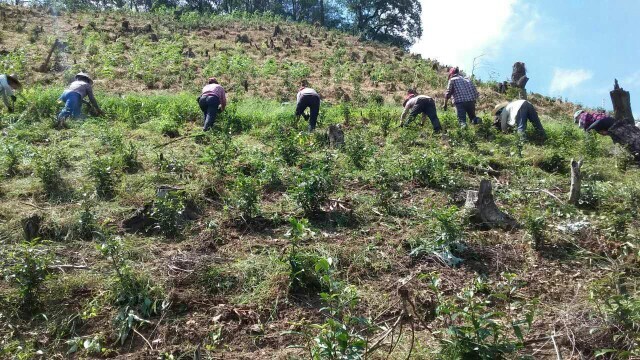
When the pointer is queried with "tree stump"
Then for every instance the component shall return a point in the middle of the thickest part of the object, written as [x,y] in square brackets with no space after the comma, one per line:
[576,178]
[483,211]
[621,101]
[31,227]
[624,131]
[336,136]
[277,31]
[519,78]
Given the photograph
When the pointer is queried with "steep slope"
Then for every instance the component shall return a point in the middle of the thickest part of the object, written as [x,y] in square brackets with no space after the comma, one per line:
[136,236]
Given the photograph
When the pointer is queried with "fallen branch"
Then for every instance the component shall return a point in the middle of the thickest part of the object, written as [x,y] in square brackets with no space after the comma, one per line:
[176,140]
[44,67]
[66,266]
[546,192]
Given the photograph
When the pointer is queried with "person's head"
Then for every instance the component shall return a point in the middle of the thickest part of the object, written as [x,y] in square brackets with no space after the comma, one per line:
[304,83]
[577,114]
[83,76]
[212,80]
[410,93]
[453,72]
[497,110]
[13,81]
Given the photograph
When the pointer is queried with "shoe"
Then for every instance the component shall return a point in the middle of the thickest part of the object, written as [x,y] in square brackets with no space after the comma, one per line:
[463,125]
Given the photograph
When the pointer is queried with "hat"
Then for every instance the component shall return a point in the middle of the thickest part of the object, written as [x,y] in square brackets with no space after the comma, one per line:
[453,71]
[409,96]
[13,81]
[213,80]
[577,113]
[500,106]
[84,75]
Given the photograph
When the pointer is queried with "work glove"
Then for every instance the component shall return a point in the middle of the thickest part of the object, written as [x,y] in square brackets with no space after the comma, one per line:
[13,98]
[198,99]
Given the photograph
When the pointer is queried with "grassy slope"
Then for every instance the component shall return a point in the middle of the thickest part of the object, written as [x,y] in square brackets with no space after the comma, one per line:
[222,274]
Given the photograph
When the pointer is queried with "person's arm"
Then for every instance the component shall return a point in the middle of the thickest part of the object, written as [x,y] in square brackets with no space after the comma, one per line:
[298,96]
[92,99]
[424,118]
[404,114]
[448,94]
[5,99]
[223,101]
[504,119]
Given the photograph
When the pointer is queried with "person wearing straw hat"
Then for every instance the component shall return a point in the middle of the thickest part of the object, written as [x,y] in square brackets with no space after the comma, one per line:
[516,114]
[9,84]
[212,99]
[308,98]
[81,86]
[415,105]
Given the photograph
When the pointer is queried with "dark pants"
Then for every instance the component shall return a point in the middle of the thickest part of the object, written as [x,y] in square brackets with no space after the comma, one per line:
[313,103]
[528,112]
[209,106]
[425,107]
[467,108]
[72,105]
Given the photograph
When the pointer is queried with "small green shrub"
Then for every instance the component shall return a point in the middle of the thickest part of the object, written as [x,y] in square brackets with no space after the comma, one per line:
[27,267]
[553,163]
[11,157]
[104,178]
[218,281]
[48,164]
[167,214]
[535,224]
[87,225]
[245,197]
[433,170]
[127,158]
[312,189]
[358,149]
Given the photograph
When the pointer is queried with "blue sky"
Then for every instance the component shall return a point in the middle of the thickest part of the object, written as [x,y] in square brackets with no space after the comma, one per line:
[572,48]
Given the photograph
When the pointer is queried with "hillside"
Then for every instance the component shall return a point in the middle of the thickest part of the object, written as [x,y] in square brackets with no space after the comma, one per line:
[136,236]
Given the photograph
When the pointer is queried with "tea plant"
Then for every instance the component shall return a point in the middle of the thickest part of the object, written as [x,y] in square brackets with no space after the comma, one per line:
[11,158]
[27,266]
[433,170]
[246,197]
[313,189]
[103,174]
[48,164]
[358,149]
[167,214]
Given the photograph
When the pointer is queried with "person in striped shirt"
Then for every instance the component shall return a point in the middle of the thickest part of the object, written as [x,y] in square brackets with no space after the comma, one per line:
[212,99]
[415,105]
[464,94]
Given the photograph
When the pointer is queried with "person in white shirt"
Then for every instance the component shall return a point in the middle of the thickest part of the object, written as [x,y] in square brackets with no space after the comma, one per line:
[9,84]
[415,105]
[308,98]
[516,114]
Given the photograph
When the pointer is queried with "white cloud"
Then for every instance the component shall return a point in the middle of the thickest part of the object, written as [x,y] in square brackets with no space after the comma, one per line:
[632,80]
[566,79]
[456,31]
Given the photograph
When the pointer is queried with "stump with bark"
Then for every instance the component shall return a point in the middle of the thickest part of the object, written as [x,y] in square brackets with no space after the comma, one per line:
[483,211]
[576,179]
[624,131]
[336,136]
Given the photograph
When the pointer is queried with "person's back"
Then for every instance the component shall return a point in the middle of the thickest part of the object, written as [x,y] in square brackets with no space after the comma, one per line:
[212,97]
[6,91]
[586,118]
[308,98]
[81,87]
[307,91]
[462,89]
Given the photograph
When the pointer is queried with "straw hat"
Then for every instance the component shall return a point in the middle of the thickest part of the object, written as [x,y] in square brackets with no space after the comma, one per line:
[13,81]
[577,113]
[500,106]
[85,76]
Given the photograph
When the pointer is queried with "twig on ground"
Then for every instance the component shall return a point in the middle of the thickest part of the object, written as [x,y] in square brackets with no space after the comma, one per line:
[546,192]
[555,346]
[143,338]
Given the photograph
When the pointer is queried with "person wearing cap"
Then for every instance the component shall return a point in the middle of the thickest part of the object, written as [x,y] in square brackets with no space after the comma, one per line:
[212,98]
[72,97]
[414,105]
[516,114]
[9,84]
[308,98]
[587,120]
[464,94]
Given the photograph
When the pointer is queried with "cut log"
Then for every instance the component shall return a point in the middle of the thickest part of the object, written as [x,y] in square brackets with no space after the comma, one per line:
[484,212]
[576,178]
[31,227]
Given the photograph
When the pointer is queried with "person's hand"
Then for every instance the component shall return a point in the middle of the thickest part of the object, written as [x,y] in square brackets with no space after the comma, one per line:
[13,98]
[11,110]
[444,107]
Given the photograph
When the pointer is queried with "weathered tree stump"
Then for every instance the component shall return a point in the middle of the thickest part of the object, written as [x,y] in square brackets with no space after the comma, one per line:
[31,227]
[519,78]
[336,136]
[125,26]
[44,67]
[624,131]
[277,31]
[153,37]
[483,211]
[576,179]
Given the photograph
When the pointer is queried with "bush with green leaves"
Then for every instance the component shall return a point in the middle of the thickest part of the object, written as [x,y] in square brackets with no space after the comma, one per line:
[218,280]
[127,158]
[443,240]
[288,147]
[167,214]
[87,225]
[313,188]
[104,177]
[432,170]
[48,164]
[12,153]
[135,294]
[27,266]
[476,328]
[220,153]
[359,149]
[245,197]
[535,224]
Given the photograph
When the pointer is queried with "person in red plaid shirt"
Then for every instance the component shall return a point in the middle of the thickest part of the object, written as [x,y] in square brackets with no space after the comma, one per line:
[464,95]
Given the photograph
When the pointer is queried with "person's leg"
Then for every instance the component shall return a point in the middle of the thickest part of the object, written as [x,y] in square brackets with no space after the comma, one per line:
[521,119]
[212,111]
[66,111]
[432,113]
[314,109]
[462,114]
[415,110]
[203,107]
[535,119]
[301,106]
[74,101]
[471,110]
